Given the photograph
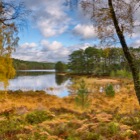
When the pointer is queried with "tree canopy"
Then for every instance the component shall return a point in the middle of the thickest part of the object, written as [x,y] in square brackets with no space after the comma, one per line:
[98,61]
[60,67]
[12,14]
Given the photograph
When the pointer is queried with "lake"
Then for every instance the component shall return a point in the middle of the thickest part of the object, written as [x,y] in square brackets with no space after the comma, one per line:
[45,80]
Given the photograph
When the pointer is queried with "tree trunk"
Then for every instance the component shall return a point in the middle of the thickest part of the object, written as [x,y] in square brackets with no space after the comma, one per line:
[130,59]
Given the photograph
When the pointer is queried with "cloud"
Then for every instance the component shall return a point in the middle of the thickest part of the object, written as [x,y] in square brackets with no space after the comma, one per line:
[49,16]
[136,43]
[84,31]
[46,51]
[51,46]
[27,51]
[54,51]
[29,45]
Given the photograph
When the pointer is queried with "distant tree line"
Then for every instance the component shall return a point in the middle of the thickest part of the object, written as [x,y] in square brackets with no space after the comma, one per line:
[28,65]
[99,61]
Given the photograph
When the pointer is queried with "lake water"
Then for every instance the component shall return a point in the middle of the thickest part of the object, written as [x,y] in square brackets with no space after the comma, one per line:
[45,80]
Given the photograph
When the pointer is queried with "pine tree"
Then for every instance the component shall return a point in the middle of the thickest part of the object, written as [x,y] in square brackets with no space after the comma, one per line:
[82,98]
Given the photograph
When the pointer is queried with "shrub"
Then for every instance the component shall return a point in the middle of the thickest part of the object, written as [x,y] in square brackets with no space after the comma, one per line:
[109,90]
[112,74]
[11,127]
[123,74]
[113,128]
[37,116]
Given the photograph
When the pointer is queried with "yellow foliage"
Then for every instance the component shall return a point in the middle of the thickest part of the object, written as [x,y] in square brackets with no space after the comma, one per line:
[7,70]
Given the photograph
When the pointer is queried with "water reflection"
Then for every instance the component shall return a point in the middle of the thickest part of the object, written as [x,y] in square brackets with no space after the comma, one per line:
[60,79]
[48,82]
[32,73]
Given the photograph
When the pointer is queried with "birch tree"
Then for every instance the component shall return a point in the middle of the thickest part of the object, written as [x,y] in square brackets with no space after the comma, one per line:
[12,15]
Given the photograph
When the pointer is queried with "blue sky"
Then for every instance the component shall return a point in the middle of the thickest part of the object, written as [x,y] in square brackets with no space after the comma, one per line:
[54,31]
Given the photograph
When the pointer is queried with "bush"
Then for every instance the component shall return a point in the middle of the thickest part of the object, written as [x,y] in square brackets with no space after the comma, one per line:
[37,116]
[109,90]
[113,128]
[121,74]
[11,127]
[112,74]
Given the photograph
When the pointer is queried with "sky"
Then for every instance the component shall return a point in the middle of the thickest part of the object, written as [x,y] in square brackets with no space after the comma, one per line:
[54,31]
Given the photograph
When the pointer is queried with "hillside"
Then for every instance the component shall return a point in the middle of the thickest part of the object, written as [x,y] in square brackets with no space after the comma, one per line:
[28,65]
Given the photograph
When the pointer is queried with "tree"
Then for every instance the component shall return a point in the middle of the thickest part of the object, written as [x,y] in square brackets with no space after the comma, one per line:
[13,12]
[77,61]
[11,16]
[82,98]
[98,61]
[114,20]
[7,42]
[92,59]
[60,67]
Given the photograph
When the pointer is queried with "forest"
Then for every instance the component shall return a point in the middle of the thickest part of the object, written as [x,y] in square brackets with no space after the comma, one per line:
[28,65]
[100,61]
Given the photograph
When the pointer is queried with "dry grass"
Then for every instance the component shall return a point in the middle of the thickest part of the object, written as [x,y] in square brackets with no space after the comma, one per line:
[69,121]
[33,100]
[124,101]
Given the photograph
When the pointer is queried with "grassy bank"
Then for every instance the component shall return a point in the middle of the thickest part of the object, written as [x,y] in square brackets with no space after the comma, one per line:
[39,116]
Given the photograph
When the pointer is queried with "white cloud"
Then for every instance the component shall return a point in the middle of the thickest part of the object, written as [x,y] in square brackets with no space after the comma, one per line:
[29,45]
[49,16]
[26,51]
[85,31]
[54,51]
[46,51]
[136,43]
[50,46]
